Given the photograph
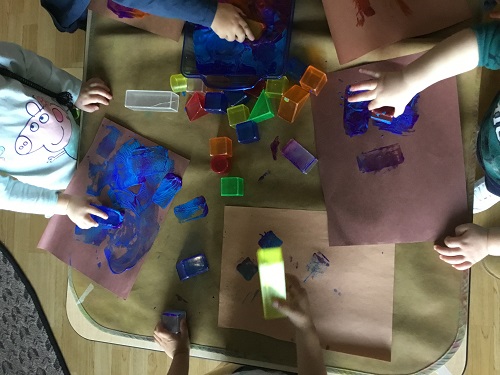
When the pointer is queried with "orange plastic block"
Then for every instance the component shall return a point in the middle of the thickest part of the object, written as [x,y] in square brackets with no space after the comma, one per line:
[313,80]
[292,102]
[256,27]
[221,146]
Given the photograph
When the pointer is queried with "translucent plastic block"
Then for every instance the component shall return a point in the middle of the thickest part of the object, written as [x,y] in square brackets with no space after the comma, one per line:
[231,187]
[221,146]
[220,164]
[262,110]
[171,320]
[236,97]
[272,279]
[257,89]
[237,114]
[178,83]
[154,101]
[295,69]
[299,156]
[276,87]
[247,132]
[313,80]
[195,85]
[215,102]
[292,102]
[191,267]
[194,106]
[256,27]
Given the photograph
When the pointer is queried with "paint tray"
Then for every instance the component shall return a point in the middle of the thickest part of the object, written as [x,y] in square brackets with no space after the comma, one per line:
[239,66]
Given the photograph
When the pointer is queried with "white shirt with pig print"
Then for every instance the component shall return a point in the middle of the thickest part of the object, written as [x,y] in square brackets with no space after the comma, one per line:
[38,137]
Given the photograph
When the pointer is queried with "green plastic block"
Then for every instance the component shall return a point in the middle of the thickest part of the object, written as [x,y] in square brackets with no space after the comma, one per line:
[237,114]
[231,187]
[272,279]
[178,83]
[262,109]
[276,87]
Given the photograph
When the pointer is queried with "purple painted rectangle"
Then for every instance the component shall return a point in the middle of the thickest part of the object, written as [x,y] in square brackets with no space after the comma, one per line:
[299,156]
[380,158]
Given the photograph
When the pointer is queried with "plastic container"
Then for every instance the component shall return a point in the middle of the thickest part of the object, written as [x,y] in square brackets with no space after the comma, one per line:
[238,76]
[153,101]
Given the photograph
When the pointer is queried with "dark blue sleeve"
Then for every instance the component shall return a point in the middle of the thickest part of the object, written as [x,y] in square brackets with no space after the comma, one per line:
[201,12]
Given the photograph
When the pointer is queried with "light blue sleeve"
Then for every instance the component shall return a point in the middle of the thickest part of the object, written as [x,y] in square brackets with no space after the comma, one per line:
[488,41]
[20,197]
[38,69]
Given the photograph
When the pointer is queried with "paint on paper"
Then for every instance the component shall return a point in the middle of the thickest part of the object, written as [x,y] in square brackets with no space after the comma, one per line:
[168,188]
[380,158]
[269,240]
[130,178]
[261,178]
[247,268]
[196,208]
[274,147]
[364,9]
[317,265]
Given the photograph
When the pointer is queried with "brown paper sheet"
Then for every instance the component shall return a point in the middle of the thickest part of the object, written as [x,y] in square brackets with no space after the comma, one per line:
[59,236]
[360,26]
[351,299]
[167,27]
[422,199]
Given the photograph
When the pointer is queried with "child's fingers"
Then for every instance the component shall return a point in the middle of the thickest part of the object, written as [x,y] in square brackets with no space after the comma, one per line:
[362,97]
[453,260]
[446,251]
[366,85]
[370,72]
[462,266]
[97,212]
[97,99]
[100,91]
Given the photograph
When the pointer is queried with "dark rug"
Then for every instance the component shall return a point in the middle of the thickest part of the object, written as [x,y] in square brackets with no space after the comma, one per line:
[27,345]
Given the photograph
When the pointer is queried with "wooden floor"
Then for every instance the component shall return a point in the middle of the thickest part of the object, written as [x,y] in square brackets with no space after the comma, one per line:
[26,23]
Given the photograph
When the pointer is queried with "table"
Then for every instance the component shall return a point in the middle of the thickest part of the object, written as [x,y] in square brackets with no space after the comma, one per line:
[430,304]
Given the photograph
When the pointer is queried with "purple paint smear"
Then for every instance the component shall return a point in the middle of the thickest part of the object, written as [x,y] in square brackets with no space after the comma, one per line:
[380,158]
[132,168]
[357,115]
[194,209]
[274,147]
[317,265]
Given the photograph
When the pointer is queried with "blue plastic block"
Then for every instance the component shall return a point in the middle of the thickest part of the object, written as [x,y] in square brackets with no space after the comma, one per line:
[236,97]
[247,132]
[269,240]
[215,102]
[171,320]
[114,221]
[295,68]
[191,267]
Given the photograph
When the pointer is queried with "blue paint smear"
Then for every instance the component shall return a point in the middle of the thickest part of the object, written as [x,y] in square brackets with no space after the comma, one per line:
[167,190]
[403,123]
[194,209]
[269,240]
[356,115]
[133,167]
[114,220]
[99,265]
[317,265]
[262,57]
[247,269]
[108,143]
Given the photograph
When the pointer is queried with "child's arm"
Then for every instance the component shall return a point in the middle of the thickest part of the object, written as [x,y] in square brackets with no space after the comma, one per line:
[21,197]
[296,308]
[176,346]
[471,244]
[225,19]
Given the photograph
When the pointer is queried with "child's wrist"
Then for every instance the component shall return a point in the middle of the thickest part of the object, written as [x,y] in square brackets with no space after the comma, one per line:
[493,241]
[62,204]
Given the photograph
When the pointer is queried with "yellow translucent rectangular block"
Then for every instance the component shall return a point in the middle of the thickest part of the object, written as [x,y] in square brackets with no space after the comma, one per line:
[237,114]
[292,102]
[313,80]
[272,279]
[221,146]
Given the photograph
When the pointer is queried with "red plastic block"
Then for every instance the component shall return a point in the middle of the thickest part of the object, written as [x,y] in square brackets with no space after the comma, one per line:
[194,106]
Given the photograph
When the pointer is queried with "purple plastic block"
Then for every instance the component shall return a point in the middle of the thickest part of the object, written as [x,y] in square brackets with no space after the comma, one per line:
[215,102]
[299,156]
[171,320]
[191,267]
[247,132]
[380,158]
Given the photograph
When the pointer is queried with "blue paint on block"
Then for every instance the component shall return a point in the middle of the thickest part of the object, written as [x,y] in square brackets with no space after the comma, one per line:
[114,220]
[196,208]
[403,123]
[191,267]
[269,240]
[168,188]
[107,145]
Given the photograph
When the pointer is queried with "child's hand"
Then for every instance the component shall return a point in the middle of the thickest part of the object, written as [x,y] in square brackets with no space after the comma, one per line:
[93,93]
[229,24]
[79,209]
[386,90]
[468,247]
[296,307]
[173,343]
